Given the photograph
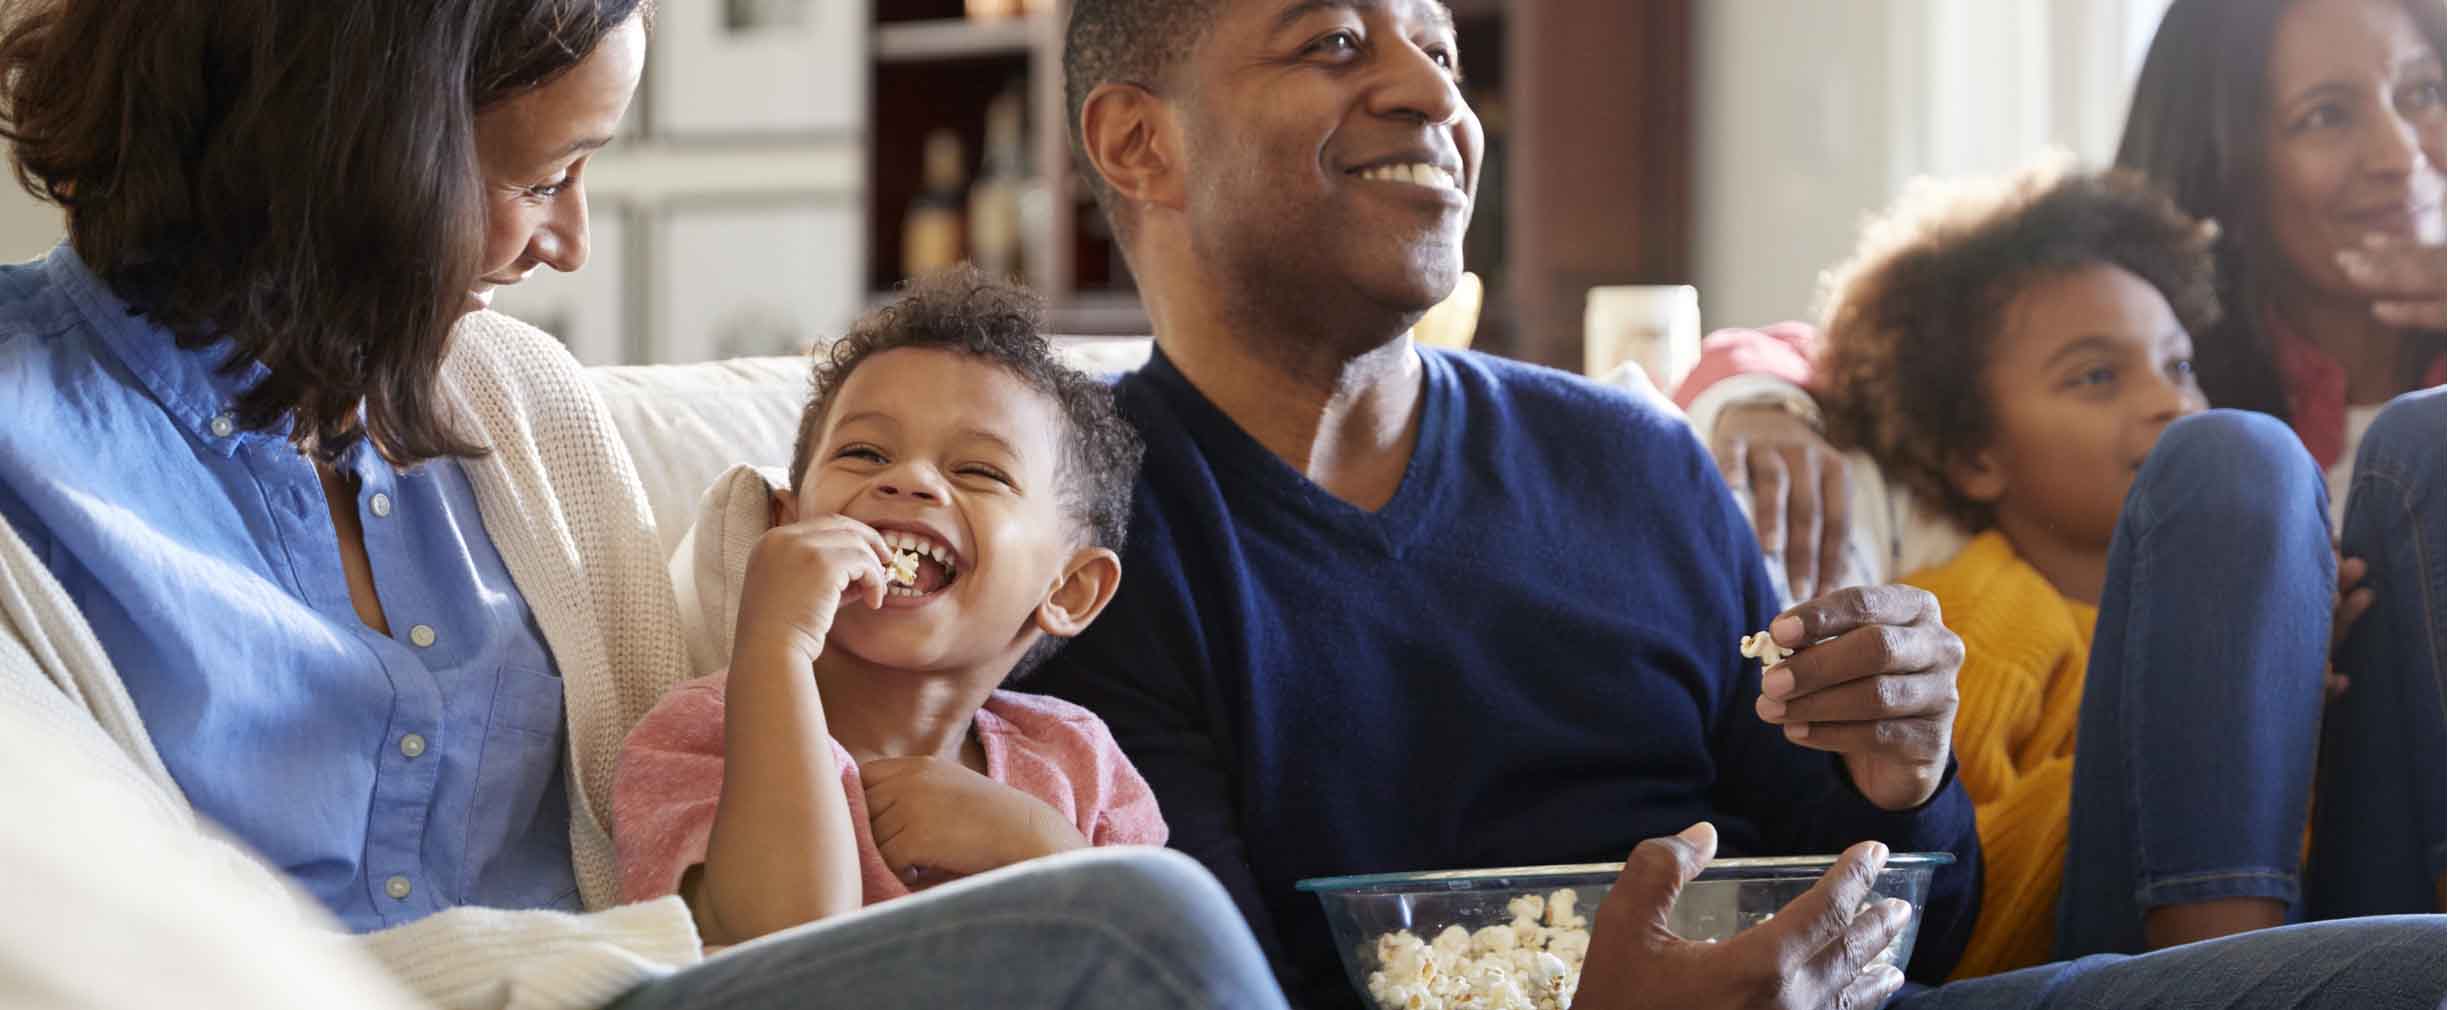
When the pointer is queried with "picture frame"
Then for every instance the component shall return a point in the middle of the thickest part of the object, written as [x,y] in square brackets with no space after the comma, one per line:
[758,69]
[754,277]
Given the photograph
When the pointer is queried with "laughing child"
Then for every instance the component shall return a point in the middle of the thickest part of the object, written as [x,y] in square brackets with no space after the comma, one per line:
[957,502]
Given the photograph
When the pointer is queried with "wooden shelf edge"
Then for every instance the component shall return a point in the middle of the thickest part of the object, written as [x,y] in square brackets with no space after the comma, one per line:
[954,39]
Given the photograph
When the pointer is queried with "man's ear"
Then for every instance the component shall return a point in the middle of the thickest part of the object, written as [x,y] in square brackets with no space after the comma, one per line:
[785,507]
[1978,475]
[1129,137]
[1086,586]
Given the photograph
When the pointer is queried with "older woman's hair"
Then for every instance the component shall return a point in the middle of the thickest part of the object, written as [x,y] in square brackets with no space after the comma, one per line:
[1913,316]
[299,176]
[2197,131]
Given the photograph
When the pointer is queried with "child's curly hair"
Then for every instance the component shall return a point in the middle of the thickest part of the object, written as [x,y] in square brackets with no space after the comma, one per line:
[963,311]
[1912,317]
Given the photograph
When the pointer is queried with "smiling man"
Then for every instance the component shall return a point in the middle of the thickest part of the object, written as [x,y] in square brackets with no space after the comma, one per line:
[1390,608]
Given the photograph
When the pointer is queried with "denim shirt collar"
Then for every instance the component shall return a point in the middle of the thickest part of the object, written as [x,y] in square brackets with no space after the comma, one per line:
[189,384]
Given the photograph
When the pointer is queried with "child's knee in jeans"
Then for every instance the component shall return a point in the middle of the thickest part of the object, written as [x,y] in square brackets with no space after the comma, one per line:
[2411,426]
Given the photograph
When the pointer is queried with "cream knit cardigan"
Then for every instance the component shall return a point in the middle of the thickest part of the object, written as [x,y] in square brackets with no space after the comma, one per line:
[563,504]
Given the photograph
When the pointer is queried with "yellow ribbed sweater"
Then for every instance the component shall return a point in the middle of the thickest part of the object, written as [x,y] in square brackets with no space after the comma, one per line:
[2025,651]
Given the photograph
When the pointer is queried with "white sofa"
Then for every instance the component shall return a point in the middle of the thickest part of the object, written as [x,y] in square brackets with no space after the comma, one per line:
[686,424]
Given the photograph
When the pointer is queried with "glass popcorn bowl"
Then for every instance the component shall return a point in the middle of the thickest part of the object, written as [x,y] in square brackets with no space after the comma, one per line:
[1475,938]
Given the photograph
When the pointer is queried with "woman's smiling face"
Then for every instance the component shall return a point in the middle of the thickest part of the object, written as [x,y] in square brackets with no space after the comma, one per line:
[532,151]
[2353,135]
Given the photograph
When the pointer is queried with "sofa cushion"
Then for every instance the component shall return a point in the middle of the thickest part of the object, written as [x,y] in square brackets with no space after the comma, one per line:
[687,424]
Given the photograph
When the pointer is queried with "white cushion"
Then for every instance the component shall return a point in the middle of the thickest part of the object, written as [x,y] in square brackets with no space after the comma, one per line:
[686,424]
[711,563]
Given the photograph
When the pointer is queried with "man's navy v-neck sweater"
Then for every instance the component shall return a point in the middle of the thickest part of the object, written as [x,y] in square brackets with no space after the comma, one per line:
[1531,654]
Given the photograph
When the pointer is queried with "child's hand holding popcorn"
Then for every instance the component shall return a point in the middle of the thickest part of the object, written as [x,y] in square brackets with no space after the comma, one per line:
[783,836]
[798,576]
[933,817]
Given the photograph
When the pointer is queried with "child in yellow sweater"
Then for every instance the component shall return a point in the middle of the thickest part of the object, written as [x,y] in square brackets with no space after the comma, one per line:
[2017,352]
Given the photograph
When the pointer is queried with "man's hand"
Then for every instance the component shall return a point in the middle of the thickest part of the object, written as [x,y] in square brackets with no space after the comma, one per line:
[798,576]
[1801,503]
[1818,952]
[2406,281]
[1873,679]
[933,817]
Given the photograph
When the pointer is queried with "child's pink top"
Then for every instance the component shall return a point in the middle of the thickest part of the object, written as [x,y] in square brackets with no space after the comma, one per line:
[671,770]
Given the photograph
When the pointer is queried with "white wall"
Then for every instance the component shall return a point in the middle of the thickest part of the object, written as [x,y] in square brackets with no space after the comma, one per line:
[1814,114]
[27,228]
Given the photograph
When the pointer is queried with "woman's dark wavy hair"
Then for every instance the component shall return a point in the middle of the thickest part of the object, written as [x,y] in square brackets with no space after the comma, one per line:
[298,175]
[2196,131]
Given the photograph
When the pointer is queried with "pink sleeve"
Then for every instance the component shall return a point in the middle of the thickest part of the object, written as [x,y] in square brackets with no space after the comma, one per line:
[1130,816]
[1783,350]
[666,787]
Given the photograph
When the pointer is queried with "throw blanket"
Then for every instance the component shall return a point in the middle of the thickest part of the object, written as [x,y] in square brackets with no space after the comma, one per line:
[563,505]
[2025,651]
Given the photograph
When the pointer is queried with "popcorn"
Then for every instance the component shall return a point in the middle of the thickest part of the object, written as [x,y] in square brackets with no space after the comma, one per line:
[1496,938]
[1560,911]
[904,570]
[1764,647]
[1520,965]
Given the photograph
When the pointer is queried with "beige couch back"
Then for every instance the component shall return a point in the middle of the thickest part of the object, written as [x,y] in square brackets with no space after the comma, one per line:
[686,424]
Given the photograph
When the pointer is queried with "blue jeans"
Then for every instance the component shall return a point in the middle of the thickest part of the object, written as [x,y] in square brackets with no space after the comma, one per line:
[2202,705]
[1120,928]
[2378,815]
[2202,712]
[2392,963]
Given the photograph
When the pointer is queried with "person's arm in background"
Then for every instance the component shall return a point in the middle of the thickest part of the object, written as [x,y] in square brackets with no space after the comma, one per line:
[1750,402]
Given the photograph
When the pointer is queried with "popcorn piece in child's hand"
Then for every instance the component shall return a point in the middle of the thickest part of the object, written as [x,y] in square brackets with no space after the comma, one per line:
[904,570]
[1764,647]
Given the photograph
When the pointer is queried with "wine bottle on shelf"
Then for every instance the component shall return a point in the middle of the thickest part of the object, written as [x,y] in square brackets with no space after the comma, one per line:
[932,234]
[994,203]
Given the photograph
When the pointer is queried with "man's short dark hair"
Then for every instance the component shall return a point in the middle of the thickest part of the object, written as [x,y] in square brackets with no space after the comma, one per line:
[1913,318]
[1130,42]
[963,311]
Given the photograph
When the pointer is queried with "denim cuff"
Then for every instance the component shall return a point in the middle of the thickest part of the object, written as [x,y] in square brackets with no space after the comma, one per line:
[2214,885]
